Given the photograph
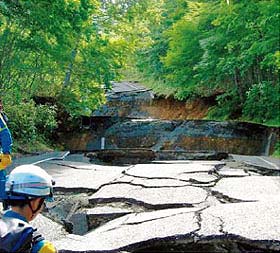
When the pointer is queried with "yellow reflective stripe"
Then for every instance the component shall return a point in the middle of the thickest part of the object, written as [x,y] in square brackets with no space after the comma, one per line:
[3,128]
[4,122]
[48,248]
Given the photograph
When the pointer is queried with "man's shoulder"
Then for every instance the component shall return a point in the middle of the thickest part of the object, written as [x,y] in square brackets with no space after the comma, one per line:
[15,235]
[11,223]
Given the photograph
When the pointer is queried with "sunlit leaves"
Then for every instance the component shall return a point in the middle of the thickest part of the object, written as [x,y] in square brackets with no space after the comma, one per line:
[209,47]
[45,46]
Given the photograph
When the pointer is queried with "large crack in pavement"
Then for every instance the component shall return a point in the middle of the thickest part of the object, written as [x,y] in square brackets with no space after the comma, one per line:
[182,207]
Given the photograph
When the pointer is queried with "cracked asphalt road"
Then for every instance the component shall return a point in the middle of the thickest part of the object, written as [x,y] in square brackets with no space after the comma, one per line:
[191,206]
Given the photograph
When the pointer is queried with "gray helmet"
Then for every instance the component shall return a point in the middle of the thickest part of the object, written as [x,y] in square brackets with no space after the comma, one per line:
[29,181]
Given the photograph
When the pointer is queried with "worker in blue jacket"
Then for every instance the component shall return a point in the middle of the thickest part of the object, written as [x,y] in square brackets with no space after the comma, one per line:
[28,187]
[6,149]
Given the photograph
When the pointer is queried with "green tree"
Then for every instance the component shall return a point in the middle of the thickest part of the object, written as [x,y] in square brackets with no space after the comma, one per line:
[63,49]
[184,52]
[61,54]
[149,57]
[241,49]
[217,47]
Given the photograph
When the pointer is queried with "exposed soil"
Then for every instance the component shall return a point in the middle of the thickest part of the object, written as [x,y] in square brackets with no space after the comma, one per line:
[171,109]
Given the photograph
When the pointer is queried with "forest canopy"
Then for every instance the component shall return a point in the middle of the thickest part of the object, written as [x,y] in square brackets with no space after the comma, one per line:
[71,50]
[225,48]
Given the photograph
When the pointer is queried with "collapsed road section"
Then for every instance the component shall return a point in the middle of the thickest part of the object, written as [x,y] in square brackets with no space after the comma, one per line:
[163,206]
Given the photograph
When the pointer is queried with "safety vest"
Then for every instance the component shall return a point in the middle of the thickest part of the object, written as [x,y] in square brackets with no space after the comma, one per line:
[4,123]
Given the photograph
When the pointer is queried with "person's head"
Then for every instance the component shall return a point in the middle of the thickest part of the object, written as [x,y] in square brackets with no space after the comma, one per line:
[27,188]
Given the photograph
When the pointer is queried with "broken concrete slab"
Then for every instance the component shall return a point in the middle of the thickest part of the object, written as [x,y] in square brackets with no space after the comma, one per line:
[132,230]
[100,215]
[249,188]
[189,135]
[258,223]
[162,171]
[203,225]
[37,158]
[107,210]
[50,230]
[254,224]
[69,175]
[150,197]
[198,178]
[153,182]
[231,172]
[265,162]
[80,223]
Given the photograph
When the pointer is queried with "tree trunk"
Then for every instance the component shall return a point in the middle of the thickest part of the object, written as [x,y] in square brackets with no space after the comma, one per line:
[70,67]
[238,84]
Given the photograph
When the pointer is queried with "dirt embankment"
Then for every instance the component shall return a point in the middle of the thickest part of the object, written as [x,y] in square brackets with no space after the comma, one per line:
[171,109]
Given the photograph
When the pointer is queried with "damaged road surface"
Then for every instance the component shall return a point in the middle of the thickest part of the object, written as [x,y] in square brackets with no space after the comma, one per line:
[172,206]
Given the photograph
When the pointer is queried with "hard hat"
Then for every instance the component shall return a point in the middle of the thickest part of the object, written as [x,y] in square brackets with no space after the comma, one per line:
[29,181]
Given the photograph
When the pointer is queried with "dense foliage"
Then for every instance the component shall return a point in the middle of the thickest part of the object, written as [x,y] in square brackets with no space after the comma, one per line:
[55,49]
[64,49]
[70,50]
[224,48]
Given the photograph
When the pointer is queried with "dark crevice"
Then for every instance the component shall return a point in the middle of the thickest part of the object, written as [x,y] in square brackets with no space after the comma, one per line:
[228,243]
[234,176]
[159,218]
[261,170]
[140,185]
[74,190]
[72,166]
[219,166]
[199,171]
[192,181]
[222,223]
[140,203]
[226,199]
[145,177]
[198,217]
[150,187]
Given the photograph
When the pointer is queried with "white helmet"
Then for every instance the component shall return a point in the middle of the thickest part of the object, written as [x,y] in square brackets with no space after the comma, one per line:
[29,181]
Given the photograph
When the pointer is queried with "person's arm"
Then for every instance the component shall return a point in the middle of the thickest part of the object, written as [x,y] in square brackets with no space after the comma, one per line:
[5,117]
[43,246]
[6,144]
[5,137]
[40,245]
[6,141]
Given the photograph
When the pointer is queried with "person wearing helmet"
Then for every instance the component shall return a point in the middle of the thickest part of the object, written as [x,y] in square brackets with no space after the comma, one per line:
[27,188]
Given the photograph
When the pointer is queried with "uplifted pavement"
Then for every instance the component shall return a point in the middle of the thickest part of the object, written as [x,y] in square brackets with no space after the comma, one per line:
[172,206]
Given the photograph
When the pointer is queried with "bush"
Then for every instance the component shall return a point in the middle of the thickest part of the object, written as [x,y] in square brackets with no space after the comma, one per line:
[45,120]
[27,121]
[22,120]
[276,152]
[263,103]
[228,107]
